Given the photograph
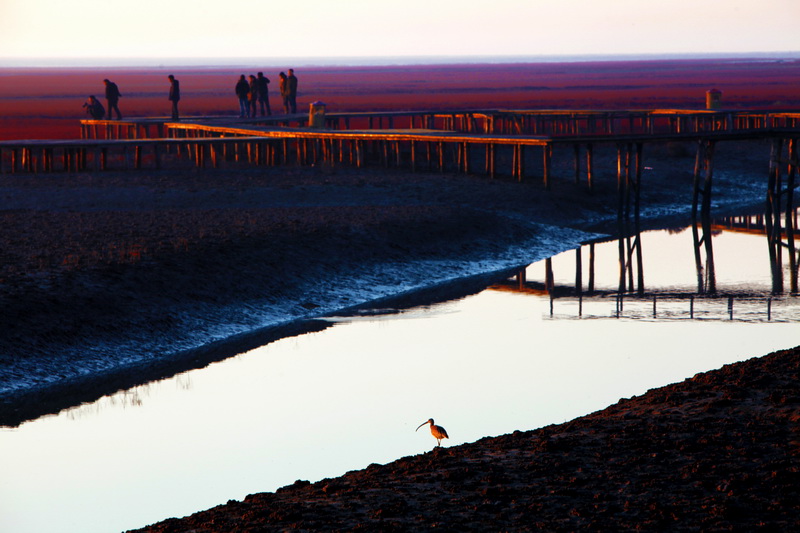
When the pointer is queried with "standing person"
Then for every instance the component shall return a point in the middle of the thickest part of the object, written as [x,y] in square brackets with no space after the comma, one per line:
[263,94]
[242,90]
[174,95]
[282,85]
[291,87]
[112,97]
[253,96]
[94,108]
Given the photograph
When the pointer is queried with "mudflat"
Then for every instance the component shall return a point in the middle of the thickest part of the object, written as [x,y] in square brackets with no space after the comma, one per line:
[40,103]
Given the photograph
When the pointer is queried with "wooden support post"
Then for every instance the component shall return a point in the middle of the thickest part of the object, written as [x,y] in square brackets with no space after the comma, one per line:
[699,156]
[790,213]
[774,192]
[491,159]
[628,180]
[547,159]
[637,182]
[590,165]
[621,181]
[577,153]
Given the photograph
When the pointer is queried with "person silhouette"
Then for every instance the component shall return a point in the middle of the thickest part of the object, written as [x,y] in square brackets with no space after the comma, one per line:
[263,94]
[174,95]
[253,109]
[94,108]
[112,98]
[242,90]
[284,89]
[291,89]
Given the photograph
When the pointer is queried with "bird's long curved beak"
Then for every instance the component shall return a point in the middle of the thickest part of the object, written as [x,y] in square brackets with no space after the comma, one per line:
[421,425]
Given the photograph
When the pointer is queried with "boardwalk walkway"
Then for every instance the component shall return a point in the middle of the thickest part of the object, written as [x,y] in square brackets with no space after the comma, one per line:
[515,143]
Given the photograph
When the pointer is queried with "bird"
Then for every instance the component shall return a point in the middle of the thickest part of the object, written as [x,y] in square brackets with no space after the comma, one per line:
[438,432]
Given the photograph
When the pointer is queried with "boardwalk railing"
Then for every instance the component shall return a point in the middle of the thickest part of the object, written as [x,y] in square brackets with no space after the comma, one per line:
[463,141]
[552,123]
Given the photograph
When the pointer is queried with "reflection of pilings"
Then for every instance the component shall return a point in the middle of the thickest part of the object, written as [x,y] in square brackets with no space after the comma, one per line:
[630,243]
[772,218]
[706,276]
[776,262]
[660,305]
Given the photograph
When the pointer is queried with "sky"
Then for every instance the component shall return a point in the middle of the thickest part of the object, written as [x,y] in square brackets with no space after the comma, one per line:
[117,31]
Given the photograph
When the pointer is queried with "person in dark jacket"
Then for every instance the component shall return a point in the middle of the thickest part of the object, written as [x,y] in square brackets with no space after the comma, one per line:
[253,96]
[263,94]
[291,90]
[174,95]
[112,98]
[94,108]
[242,91]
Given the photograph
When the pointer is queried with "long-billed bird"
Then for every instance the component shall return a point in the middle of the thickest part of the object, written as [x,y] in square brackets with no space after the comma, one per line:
[438,432]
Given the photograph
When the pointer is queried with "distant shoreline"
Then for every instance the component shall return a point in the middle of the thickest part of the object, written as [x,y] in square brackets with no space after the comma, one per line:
[377,61]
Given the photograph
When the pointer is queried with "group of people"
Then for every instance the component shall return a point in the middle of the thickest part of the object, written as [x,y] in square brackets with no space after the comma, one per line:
[253,95]
[96,110]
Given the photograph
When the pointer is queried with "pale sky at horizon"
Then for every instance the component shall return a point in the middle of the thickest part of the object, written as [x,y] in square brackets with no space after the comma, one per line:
[359,28]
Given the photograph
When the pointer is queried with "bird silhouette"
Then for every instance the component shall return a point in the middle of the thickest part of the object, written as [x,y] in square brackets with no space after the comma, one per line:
[438,432]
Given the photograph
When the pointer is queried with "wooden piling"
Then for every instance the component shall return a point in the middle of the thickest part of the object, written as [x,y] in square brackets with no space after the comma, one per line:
[790,214]
[547,160]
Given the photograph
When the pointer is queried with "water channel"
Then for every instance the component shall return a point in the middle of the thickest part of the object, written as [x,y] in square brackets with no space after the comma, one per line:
[551,344]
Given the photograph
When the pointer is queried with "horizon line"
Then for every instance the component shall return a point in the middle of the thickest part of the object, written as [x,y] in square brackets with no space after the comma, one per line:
[387,60]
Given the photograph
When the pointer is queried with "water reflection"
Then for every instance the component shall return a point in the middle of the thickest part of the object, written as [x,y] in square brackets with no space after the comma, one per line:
[743,296]
[320,404]
[129,398]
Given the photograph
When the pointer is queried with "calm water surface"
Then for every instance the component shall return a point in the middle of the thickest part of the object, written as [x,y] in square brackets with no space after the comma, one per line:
[321,404]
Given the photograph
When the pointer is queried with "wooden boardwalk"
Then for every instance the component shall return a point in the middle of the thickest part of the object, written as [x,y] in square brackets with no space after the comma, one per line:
[469,141]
